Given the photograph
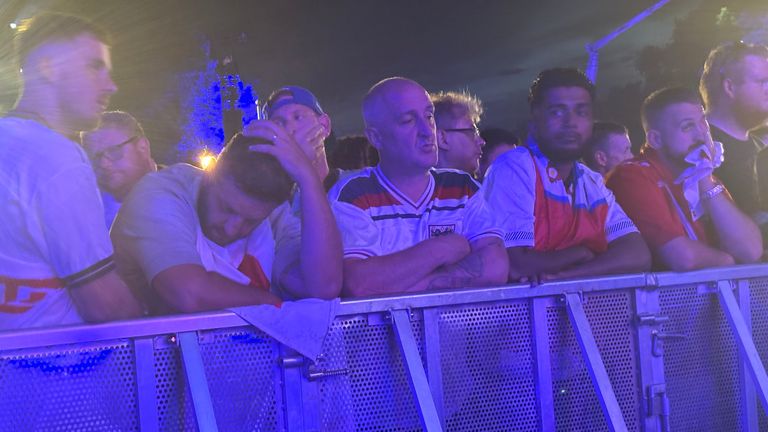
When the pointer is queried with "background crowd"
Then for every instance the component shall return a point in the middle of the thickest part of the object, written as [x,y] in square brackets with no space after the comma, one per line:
[95,230]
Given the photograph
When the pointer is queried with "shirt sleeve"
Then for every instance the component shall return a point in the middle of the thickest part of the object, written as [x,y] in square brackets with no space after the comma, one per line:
[617,223]
[646,204]
[157,229]
[360,236]
[71,218]
[510,192]
[479,221]
[286,226]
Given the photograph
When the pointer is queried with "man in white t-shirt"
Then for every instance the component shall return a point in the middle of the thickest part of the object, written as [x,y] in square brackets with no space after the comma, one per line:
[56,262]
[189,240]
[406,226]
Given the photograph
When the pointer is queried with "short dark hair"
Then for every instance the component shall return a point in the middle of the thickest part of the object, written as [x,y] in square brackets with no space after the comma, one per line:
[257,174]
[558,77]
[601,131]
[494,137]
[353,152]
[49,26]
[659,100]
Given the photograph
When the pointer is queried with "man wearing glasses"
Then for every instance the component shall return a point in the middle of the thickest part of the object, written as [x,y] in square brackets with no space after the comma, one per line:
[559,219]
[734,85]
[120,154]
[459,143]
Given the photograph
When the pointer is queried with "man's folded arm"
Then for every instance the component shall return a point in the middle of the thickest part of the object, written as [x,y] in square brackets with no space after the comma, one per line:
[191,288]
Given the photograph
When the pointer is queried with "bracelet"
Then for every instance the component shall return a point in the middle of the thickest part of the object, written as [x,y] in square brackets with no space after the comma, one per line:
[715,191]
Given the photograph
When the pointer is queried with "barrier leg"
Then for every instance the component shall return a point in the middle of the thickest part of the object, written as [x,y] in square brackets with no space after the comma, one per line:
[198,384]
[415,371]
[748,395]
[544,397]
[597,372]
[747,348]
[434,362]
[143,350]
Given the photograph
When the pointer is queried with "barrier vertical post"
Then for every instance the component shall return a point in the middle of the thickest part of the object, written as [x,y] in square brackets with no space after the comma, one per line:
[543,364]
[198,383]
[651,365]
[747,349]
[432,353]
[603,388]
[415,371]
[748,393]
[146,390]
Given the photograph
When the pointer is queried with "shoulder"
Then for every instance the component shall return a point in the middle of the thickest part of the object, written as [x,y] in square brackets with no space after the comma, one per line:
[632,170]
[176,182]
[446,178]
[352,186]
[29,146]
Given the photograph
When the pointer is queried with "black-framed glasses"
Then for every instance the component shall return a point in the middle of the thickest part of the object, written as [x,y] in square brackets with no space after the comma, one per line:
[114,153]
[474,130]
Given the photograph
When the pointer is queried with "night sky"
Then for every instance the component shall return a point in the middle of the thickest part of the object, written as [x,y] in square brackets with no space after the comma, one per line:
[338,49]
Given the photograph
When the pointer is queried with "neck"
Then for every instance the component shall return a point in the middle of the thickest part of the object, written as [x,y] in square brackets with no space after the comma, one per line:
[42,109]
[726,120]
[564,169]
[412,184]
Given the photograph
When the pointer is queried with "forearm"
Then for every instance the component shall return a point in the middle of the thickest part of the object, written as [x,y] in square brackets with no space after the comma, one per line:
[105,299]
[190,288]
[684,254]
[526,262]
[320,258]
[403,271]
[737,233]
[627,254]
[486,265]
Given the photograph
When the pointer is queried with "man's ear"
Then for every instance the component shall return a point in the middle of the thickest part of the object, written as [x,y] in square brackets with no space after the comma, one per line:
[601,158]
[442,144]
[653,137]
[374,137]
[325,121]
[728,87]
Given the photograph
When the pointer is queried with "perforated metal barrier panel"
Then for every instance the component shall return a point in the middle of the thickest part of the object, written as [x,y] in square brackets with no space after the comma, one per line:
[483,355]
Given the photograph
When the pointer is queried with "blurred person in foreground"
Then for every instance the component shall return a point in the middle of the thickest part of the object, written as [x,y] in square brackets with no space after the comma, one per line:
[56,260]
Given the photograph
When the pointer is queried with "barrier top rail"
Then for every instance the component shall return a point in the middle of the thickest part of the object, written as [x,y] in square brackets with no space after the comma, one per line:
[146,327]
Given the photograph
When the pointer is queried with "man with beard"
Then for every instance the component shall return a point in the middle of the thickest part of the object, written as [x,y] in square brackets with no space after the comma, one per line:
[56,263]
[405,225]
[734,85]
[559,220]
[459,143]
[684,213]
[120,153]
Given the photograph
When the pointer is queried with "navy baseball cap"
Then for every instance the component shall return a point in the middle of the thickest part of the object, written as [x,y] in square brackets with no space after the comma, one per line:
[291,95]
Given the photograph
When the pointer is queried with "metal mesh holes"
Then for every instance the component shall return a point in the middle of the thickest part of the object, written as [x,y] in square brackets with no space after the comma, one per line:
[576,404]
[69,388]
[700,369]
[487,368]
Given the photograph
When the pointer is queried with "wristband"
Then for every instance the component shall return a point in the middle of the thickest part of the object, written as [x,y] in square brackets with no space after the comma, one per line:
[715,191]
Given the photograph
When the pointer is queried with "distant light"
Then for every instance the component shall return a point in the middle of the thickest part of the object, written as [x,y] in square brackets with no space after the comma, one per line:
[206,159]
[13,25]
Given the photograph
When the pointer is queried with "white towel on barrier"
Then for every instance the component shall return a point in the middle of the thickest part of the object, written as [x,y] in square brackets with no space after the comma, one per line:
[301,325]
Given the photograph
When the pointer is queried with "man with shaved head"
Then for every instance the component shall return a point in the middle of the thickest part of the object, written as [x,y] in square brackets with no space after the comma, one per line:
[405,225]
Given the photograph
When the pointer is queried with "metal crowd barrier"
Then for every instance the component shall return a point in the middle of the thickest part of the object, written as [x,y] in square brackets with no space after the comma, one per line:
[650,352]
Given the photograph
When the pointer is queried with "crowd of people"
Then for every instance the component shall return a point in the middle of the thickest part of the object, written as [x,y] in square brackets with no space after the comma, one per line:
[94,230]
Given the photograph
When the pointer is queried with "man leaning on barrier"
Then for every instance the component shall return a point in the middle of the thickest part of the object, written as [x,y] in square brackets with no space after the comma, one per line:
[406,226]
[56,263]
[684,212]
[559,219]
[190,240]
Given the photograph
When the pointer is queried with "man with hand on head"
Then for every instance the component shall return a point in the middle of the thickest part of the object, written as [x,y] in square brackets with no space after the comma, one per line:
[405,225]
[56,264]
[192,240]
[684,213]
[559,219]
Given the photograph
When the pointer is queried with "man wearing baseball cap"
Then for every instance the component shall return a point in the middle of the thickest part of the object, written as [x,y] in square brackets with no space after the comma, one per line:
[297,110]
